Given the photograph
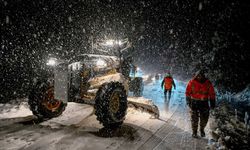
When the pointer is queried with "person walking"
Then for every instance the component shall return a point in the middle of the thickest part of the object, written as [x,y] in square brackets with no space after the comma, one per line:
[167,84]
[200,98]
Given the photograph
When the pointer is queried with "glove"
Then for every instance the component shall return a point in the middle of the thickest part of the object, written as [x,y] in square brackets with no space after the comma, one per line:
[188,100]
[212,104]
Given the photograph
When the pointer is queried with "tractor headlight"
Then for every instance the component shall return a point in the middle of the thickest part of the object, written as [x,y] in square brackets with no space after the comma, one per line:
[52,62]
[101,63]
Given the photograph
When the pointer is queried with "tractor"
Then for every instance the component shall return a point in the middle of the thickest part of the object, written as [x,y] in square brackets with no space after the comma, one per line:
[99,80]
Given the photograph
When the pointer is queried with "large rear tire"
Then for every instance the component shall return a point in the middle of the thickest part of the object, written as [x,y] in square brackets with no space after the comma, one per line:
[111,104]
[42,103]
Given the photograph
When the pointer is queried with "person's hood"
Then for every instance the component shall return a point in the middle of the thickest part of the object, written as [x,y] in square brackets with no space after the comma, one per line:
[168,75]
[200,81]
[199,72]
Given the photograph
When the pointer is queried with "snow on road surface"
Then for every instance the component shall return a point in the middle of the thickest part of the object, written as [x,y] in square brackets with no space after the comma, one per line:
[77,127]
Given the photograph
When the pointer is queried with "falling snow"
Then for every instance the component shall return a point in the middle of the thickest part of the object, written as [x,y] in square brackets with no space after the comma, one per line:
[200,6]
[7,19]
[177,36]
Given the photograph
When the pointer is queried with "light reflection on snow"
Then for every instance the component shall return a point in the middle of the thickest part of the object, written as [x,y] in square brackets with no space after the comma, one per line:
[154,91]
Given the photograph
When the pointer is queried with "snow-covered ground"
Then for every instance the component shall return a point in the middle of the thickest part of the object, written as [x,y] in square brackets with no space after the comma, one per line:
[77,127]
[244,95]
[230,122]
[227,130]
[154,91]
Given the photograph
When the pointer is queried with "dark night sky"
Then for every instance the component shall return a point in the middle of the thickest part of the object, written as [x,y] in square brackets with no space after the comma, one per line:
[176,35]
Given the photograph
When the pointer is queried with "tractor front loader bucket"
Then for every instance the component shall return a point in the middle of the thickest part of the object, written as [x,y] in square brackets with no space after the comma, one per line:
[137,103]
[144,105]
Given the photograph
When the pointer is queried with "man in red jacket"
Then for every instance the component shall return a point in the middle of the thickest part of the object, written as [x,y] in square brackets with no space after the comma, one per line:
[199,94]
[168,82]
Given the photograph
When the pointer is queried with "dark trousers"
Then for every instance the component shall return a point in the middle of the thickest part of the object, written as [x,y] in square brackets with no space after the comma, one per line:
[199,114]
[166,91]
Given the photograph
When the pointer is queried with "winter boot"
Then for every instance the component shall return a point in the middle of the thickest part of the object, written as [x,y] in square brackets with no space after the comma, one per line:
[194,135]
[202,133]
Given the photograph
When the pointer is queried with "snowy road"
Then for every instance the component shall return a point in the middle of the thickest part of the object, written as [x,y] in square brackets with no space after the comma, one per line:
[78,128]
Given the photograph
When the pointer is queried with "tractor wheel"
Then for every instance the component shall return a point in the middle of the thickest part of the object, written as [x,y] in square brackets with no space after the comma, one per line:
[42,102]
[111,104]
[137,86]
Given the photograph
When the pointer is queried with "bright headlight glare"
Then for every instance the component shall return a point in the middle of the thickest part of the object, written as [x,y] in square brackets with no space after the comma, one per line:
[51,62]
[109,43]
[100,63]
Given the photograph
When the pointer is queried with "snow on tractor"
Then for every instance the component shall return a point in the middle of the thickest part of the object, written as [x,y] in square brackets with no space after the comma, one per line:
[99,80]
